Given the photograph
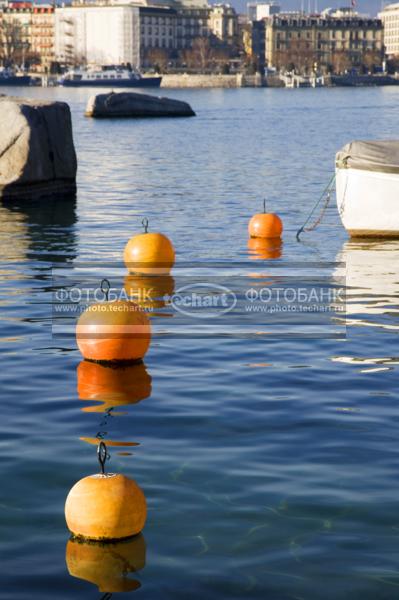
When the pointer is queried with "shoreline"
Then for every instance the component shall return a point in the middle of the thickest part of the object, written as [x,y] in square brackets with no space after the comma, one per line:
[240,80]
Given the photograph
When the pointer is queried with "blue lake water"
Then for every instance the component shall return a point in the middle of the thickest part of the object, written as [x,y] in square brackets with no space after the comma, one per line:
[270,463]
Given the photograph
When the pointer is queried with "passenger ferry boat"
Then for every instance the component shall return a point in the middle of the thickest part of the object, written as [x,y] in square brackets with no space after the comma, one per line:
[10,77]
[367,188]
[108,76]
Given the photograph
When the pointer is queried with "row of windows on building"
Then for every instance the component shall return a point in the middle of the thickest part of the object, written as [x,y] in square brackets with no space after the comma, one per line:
[328,23]
[149,30]
[170,20]
[323,45]
[356,35]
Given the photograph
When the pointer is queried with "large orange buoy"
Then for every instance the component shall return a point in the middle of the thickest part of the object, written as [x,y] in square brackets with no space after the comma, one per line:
[150,253]
[107,565]
[265,225]
[151,292]
[105,506]
[112,386]
[117,331]
[264,249]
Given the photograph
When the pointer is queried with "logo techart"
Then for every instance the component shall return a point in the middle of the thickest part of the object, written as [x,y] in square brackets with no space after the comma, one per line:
[204,300]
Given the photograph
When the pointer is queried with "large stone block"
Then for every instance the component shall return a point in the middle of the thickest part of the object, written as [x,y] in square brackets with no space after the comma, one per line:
[37,154]
[130,104]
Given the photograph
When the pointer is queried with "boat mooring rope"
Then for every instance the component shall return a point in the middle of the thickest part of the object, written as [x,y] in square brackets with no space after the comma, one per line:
[327,193]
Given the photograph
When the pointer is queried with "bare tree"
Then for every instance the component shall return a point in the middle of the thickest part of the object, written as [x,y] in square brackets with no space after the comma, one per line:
[200,55]
[12,45]
[393,64]
[157,58]
[371,59]
[341,61]
[299,55]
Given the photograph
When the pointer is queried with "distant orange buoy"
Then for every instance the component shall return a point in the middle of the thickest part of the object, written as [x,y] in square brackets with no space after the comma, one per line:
[113,332]
[265,225]
[112,386]
[266,249]
[150,253]
[107,565]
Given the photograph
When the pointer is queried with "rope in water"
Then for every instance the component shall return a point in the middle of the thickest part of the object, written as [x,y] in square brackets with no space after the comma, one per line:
[327,193]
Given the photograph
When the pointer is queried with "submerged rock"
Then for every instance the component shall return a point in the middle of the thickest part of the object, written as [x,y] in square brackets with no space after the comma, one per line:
[37,154]
[131,104]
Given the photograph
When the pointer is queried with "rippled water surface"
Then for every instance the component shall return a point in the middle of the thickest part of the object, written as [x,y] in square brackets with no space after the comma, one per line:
[270,463]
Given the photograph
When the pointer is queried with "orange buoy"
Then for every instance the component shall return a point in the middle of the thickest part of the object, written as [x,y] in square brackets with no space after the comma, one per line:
[151,292]
[105,506]
[266,249]
[117,331]
[107,565]
[265,225]
[151,253]
[112,386]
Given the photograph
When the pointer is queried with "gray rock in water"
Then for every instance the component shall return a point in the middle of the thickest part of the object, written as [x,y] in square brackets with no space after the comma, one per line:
[130,104]
[37,155]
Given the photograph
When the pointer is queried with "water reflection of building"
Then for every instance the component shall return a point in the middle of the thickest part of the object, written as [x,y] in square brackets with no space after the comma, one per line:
[372,282]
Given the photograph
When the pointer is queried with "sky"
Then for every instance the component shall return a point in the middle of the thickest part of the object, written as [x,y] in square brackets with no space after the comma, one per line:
[371,7]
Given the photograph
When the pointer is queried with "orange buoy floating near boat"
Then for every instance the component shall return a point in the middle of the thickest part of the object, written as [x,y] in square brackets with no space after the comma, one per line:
[265,225]
[151,253]
[105,506]
[113,332]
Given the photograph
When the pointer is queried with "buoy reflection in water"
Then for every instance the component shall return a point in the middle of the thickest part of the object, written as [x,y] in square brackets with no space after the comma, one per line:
[107,565]
[150,292]
[111,385]
[264,249]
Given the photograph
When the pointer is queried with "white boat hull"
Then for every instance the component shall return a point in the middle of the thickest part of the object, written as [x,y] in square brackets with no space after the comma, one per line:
[368,202]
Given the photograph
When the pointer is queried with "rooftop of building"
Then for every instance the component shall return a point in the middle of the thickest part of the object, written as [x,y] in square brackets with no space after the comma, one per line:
[387,7]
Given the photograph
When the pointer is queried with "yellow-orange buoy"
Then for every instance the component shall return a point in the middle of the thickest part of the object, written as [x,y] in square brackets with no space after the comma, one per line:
[115,331]
[107,565]
[265,225]
[151,253]
[151,292]
[264,249]
[105,506]
[112,386]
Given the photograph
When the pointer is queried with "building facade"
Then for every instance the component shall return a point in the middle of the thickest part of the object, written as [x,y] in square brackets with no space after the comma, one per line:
[223,23]
[390,19]
[102,35]
[139,34]
[42,35]
[307,42]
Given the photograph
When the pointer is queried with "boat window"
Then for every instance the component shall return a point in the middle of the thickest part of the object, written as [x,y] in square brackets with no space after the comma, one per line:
[119,76]
[112,76]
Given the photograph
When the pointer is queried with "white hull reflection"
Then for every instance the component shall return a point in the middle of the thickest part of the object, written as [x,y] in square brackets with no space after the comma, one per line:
[371,271]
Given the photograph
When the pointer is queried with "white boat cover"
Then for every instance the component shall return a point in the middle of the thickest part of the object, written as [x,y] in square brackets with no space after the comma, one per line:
[380,156]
